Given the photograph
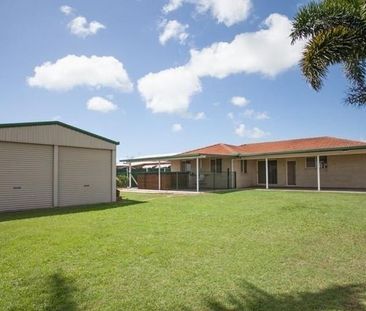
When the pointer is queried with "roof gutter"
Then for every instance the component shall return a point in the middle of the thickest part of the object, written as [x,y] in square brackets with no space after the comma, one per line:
[344,149]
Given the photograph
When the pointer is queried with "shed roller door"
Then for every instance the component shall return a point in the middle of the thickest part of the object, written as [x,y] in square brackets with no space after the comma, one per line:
[26,176]
[84,176]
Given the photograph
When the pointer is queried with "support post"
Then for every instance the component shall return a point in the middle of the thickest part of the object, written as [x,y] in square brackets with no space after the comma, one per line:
[159,177]
[130,175]
[55,176]
[267,183]
[198,175]
[232,174]
[318,170]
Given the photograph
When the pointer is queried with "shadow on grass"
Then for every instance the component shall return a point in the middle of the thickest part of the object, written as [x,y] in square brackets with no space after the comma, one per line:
[226,191]
[45,212]
[61,293]
[249,298]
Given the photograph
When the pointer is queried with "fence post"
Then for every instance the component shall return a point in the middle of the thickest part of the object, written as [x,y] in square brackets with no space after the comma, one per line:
[228,178]
[159,177]
[214,180]
[176,180]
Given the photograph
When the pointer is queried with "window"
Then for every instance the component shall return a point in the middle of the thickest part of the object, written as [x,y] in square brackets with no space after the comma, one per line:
[323,161]
[310,162]
[216,165]
[244,166]
[186,166]
[213,166]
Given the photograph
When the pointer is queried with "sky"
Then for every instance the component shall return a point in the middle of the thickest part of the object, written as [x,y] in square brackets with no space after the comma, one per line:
[166,76]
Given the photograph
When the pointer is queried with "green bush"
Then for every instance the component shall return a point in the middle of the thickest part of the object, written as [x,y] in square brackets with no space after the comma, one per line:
[121,181]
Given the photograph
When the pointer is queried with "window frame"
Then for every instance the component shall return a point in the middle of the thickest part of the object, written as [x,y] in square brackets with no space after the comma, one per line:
[323,160]
[214,165]
[244,166]
[306,162]
[184,166]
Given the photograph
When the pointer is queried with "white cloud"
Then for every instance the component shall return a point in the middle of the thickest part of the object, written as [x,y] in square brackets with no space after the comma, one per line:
[262,116]
[72,71]
[253,133]
[228,12]
[230,115]
[177,127]
[172,5]
[100,104]
[252,114]
[173,30]
[200,116]
[170,90]
[239,101]
[67,10]
[80,27]
[267,51]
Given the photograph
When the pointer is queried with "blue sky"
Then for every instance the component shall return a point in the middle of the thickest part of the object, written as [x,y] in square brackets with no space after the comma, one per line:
[137,80]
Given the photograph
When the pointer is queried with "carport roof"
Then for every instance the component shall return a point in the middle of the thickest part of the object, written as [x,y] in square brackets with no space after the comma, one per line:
[42,123]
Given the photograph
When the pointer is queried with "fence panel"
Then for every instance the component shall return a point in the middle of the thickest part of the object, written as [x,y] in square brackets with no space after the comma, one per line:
[187,180]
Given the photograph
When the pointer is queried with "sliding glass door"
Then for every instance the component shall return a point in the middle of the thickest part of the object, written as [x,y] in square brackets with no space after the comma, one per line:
[272,172]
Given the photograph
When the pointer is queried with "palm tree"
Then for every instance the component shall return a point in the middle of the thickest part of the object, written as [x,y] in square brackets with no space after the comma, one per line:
[335,32]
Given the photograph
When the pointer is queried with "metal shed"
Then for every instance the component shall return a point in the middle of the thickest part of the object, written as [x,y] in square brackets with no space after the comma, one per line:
[51,164]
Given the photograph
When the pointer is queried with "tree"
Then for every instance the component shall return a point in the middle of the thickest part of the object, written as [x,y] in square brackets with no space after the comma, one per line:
[335,32]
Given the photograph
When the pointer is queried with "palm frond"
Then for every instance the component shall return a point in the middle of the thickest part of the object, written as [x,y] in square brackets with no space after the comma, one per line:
[327,48]
[355,71]
[357,95]
[317,17]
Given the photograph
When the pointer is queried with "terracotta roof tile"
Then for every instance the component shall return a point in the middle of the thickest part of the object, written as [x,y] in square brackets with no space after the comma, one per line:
[303,144]
[314,143]
[217,149]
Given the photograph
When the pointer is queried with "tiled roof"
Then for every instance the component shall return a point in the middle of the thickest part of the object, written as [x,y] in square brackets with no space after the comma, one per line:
[217,149]
[304,144]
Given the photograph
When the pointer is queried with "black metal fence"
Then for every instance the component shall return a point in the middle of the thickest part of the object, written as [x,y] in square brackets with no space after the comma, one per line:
[187,180]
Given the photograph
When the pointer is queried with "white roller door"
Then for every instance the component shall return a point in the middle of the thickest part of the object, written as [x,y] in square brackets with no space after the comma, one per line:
[26,174]
[85,176]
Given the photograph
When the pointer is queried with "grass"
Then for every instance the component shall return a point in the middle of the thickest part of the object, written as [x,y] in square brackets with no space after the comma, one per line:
[249,250]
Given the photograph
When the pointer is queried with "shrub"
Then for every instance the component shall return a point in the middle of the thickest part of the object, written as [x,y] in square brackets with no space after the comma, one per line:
[121,181]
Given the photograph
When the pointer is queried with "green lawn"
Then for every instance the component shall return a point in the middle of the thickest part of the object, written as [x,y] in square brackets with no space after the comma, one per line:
[249,250]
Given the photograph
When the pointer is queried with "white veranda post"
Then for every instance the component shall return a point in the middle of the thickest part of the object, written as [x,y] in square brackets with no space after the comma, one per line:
[159,176]
[198,175]
[130,175]
[232,174]
[318,171]
[267,183]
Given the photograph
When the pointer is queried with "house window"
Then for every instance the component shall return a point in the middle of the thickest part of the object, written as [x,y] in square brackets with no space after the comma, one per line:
[186,166]
[310,162]
[323,161]
[216,166]
[244,166]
